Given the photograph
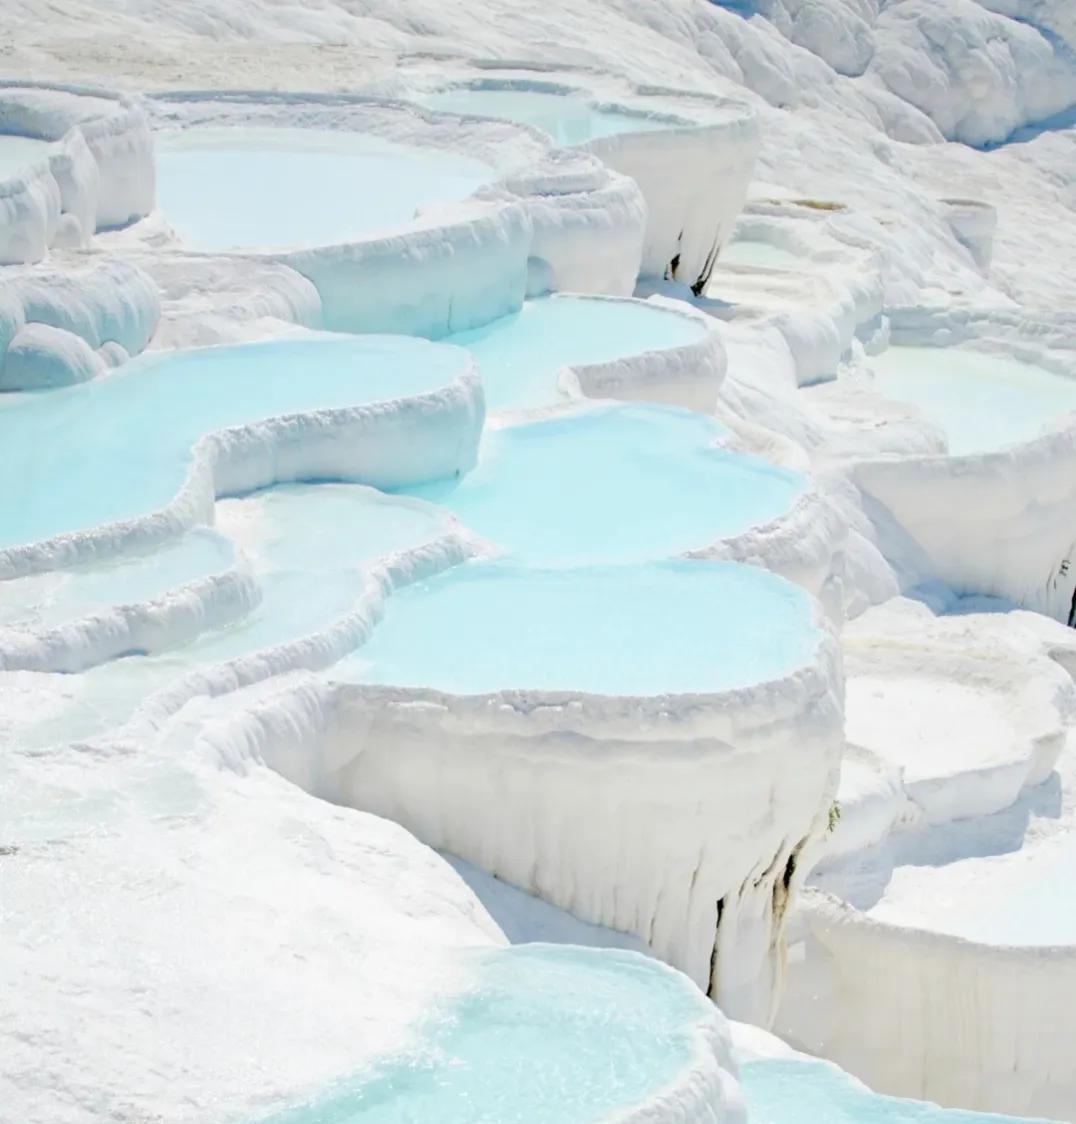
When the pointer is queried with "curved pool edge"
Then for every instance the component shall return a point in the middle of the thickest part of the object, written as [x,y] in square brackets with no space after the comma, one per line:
[804,545]
[73,321]
[688,218]
[101,174]
[453,770]
[391,443]
[584,220]
[690,1078]
[148,626]
[906,992]
[688,375]
[458,265]
[997,521]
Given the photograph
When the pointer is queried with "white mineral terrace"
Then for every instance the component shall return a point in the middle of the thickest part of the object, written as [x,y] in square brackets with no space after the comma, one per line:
[528,535]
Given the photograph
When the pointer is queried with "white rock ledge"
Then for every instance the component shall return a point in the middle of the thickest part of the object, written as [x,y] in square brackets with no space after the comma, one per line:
[689,375]
[706,1092]
[564,794]
[934,1016]
[146,627]
[969,728]
[997,523]
[973,223]
[693,175]
[804,545]
[67,321]
[389,444]
[456,266]
[99,174]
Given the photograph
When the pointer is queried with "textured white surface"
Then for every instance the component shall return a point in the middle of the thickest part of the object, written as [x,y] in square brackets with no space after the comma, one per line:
[865,114]
[55,316]
[98,174]
[917,981]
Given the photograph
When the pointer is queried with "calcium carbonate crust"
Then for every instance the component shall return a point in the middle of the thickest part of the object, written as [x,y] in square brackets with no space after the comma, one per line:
[802,544]
[995,523]
[707,1092]
[966,1022]
[936,1016]
[693,174]
[389,444]
[687,375]
[148,627]
[557,219]
[511,782]
[99,173]
[577,220]
[65,321]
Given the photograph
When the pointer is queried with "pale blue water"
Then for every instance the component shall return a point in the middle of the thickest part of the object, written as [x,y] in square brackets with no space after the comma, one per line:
[519,356]
[225,188]
[48,599]
[614,483]
[319,527]
[17,153]
[786,1091]
[547,1035]
[307,545]
[119,446]
[663,628]
[752,251]
[568,119]
[983,402]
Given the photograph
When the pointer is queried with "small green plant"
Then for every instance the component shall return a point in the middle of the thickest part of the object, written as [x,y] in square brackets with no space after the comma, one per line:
[834,817]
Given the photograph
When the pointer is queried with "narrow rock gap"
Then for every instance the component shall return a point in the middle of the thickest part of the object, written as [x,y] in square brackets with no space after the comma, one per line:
[714,954]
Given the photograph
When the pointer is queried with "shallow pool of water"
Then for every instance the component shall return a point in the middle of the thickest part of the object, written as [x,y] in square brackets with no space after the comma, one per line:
[613,483]
[752,251]
[120,446]
[546,1035]
[308,545]
[982,401]
[567,118]
[224,188]
[48,599]
[663,628]
[790,1091]
[17,153]
[520,356]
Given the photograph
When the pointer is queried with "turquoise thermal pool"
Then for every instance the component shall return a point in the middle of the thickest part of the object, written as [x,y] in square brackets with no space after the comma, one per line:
[791,1091]
[755,252]
[48,599]
[318,527]
[545,1035]
[17,153]
[520,356]
[120,446]
[308,547]
[664,628]
[229,187]
[613,483]
[983,401]
[567,118]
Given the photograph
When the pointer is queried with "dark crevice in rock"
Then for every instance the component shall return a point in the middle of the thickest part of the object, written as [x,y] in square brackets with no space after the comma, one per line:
[712,987]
